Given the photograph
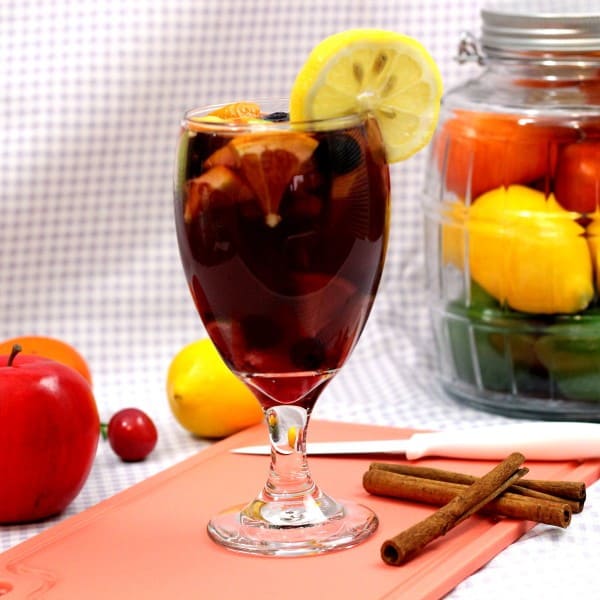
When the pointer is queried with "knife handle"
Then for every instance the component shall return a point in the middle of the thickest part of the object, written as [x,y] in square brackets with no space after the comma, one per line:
[535,440]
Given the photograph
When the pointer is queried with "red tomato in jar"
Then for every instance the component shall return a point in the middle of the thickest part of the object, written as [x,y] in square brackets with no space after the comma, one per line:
[480,151]
[577,183]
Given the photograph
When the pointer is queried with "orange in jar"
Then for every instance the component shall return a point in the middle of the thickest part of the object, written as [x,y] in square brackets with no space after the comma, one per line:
[528,252]
[478,152]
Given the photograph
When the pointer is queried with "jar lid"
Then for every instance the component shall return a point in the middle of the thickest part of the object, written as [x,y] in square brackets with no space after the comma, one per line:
[541,25]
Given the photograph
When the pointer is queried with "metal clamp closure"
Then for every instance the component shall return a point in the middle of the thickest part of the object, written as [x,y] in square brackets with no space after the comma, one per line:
[469,49]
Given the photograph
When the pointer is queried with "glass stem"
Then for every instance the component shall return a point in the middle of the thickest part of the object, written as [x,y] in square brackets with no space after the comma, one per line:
[290,497]
[289,475]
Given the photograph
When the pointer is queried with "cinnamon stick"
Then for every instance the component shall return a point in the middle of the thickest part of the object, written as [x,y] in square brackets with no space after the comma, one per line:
[419,489]
[400,548]
[572,493]
[574,490]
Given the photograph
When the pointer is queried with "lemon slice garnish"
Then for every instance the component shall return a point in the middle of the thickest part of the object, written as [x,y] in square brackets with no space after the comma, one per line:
[381,72]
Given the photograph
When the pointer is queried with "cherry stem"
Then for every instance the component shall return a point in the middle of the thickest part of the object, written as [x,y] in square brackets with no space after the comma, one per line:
[13,353]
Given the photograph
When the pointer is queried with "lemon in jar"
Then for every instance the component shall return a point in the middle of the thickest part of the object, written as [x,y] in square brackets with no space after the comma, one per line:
[528,252]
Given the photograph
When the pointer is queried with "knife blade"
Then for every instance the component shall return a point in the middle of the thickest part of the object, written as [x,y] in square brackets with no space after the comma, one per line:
[536,440]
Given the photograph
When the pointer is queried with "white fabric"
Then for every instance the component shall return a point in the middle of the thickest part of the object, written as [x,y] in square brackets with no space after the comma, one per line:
[91,96]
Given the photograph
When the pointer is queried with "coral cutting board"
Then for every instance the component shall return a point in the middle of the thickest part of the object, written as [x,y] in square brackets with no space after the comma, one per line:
[149,541]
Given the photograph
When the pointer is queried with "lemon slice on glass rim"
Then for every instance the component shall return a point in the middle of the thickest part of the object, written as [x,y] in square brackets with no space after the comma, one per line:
[388,74]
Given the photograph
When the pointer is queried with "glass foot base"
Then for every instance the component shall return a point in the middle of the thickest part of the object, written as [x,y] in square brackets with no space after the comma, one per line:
[292,532]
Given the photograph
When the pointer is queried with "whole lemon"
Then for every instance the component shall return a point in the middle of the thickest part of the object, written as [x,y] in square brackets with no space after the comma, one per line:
[528,252]
[206,398]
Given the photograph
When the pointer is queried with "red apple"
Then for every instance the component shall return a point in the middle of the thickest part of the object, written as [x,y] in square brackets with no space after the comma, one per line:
[577,183]
[49,429]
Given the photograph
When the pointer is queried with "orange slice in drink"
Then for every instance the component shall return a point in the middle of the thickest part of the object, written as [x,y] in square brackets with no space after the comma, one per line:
[217,185]
[225,156]
[238,111]
[267,161]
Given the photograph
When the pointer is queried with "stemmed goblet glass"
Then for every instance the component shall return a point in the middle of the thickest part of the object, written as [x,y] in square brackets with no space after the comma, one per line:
[282,230]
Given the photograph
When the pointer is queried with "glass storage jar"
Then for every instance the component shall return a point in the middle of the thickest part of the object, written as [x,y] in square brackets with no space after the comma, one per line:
[512,215]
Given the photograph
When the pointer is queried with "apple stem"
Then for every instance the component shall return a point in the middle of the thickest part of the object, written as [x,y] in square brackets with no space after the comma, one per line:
[13,353]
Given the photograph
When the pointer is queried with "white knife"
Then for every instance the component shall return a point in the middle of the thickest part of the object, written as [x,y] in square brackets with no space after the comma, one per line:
[535,440]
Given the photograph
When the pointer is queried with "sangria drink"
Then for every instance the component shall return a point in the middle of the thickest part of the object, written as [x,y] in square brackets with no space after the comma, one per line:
[282,236]
[282,230]
[282,220]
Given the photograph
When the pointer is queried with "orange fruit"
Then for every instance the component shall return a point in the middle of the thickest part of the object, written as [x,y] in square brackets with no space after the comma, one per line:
[238,110]
[49,348]
[479,152]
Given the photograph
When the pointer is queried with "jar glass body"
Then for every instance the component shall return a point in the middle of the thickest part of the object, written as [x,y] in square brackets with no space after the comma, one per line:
[512,232]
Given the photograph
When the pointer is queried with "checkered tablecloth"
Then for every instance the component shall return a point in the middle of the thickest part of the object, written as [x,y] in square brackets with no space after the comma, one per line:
[90,100]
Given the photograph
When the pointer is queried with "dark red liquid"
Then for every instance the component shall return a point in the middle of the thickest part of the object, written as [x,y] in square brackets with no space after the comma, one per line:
[284,291]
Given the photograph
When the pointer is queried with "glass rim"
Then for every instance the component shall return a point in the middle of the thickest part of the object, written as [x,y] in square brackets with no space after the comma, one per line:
[195,119]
